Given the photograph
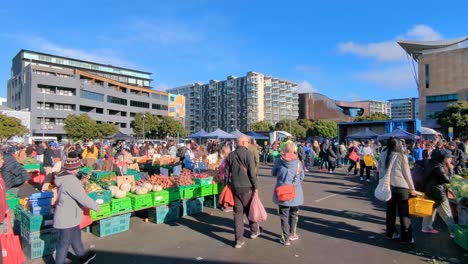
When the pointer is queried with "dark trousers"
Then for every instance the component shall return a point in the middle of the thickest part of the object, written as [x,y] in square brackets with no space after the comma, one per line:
[368,169]
[69,236]
[242,201]
[353,165]
[289,216]
[399,201]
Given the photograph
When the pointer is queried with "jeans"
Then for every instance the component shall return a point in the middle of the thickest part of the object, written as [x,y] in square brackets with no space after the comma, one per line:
[69,236]
[242,207]
[341,161]
[289,216]
[353,165]
[368,169]
[399,201]
[445,213]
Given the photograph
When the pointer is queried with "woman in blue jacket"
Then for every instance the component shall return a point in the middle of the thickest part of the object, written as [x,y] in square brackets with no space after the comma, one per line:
[288,170]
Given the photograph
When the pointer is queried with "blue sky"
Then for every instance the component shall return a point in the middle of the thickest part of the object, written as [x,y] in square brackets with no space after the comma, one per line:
[343,49]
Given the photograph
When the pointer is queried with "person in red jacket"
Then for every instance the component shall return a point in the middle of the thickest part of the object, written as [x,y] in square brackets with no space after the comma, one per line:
[3,203]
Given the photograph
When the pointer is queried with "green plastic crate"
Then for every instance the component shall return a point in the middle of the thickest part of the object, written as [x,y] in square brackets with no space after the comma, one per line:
[192,206]
[203,181]
[111,226]
[175,194]
[104,176]
[461,236]
[30,167]
[218,188]
[164,213]
[39,248]
[104,213]
[35,222]
[12,202]
[121,205]
[134,173]
[189,192]
[46,235]
[141,201]
[104,196]
[206,190]
[160,198]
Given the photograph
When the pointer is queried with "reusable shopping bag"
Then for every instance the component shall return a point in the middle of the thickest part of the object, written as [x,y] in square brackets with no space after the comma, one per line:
[368,160]
[226,198]
[11,246]
[353,156]
[382,191]
[86,219]
[257,212]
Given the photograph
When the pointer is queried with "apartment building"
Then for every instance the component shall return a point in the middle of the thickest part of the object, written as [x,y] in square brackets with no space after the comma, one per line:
[405,108]
[238,102]
[442,77]
[52,87]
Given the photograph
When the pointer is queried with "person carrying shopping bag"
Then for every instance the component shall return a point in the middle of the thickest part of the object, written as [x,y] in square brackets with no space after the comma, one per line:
[288,194]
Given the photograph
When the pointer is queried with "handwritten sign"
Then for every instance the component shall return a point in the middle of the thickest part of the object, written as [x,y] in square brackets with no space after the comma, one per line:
[177,170]
[164,171]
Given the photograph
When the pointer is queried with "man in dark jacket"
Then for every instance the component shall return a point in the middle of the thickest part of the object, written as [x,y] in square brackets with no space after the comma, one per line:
[458,158]
[301,154]
[13,173]
[49,156]
[241,165]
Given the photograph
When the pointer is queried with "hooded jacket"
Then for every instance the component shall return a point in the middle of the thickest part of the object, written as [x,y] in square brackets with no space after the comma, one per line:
[285,170]
[71,200]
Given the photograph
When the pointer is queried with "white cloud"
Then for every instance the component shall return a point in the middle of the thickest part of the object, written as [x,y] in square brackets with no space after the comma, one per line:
[163,87]
[306,87]
[307,68]
[389,50]
[395,78]
[104,56]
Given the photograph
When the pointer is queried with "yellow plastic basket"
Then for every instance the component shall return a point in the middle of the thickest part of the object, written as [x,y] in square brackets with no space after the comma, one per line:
[420,207]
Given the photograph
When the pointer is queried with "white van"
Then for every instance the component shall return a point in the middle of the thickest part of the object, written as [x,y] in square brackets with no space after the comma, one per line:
[30,139]
[154,141]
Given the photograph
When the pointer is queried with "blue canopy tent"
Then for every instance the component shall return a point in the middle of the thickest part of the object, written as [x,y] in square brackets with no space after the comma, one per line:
[365,134]
[257,135]
[398,133]
[218,133]
[237,133]
[198,134]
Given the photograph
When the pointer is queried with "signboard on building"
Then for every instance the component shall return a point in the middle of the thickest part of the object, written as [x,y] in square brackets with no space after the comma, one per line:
[176,106]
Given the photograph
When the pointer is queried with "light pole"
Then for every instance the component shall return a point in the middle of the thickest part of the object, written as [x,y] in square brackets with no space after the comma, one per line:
[43,112]
[144,126]
[290,113]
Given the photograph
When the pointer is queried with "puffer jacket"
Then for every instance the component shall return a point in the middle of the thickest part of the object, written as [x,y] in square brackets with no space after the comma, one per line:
[285,170]
[13,172]
[436,187]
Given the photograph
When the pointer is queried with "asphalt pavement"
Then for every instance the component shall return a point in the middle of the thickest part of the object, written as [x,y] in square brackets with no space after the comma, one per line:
[340,222]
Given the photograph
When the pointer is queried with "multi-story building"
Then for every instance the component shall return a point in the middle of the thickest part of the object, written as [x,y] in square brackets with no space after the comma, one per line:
[52,87]
[377,107]
[441,74]
[3,101]
[405,108]
[238,102]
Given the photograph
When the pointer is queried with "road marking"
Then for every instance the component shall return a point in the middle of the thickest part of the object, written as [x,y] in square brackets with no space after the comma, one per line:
[333,195]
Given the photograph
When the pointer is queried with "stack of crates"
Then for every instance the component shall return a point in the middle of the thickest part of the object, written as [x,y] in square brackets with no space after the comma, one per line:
[164,213]
[112,225]
[142,201]
[12,200]
[461,236]
[41,203]
[192,206]
[39,238]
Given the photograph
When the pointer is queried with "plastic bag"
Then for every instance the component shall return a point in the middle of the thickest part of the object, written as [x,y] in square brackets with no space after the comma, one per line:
[226,199]
[257,212]
[11,246]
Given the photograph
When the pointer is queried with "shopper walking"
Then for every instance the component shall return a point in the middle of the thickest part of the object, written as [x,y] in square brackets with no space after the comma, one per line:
[240,165]
[353,158]
[366,153]
[69,211]
[401,185]
[289,170]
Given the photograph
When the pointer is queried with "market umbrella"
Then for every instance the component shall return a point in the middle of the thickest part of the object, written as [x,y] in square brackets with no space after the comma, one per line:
[198,134]
[237,133]
[398,133]
[364,134]
[218,133]
[427,131]
[120,136]
[257,135]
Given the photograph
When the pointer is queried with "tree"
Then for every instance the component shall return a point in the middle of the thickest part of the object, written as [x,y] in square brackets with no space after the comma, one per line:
[81,127]
[150,124]
[323,128]
[169,127]
[107,129]
[372,117]
[11,126]
[261,126]
[292,127]
[456,116]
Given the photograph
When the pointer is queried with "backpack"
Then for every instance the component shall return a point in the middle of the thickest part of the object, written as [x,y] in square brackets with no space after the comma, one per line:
[420,173]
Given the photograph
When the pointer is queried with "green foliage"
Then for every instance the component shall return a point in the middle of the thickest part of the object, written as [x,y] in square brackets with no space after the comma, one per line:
[79,127]
[11,126]
[373,117]
[107,129]
[291,126]
[169,127]
[261,126]
[456,116]
[150,123]
[323,128]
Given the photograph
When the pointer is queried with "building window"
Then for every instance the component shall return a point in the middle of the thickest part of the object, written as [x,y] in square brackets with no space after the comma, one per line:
[139,104]
[442,98]
[91,95]
[116,100]
[427,75]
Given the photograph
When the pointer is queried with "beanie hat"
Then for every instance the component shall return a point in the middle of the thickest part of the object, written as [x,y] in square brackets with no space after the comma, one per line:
[72,162]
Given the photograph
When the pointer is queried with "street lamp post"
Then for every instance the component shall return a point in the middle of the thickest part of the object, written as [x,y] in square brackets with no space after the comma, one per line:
[290,115]
[144,126]
[43,112]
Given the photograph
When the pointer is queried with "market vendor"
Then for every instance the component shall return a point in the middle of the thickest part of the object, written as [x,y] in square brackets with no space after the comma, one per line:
[189,157]
[90,154]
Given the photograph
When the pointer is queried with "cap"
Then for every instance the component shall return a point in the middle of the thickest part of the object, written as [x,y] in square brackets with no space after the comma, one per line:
[54,144]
